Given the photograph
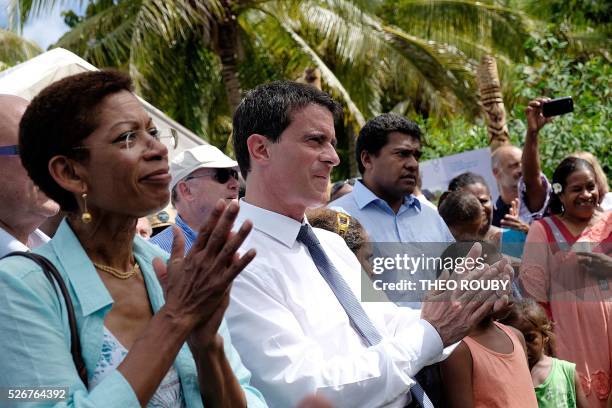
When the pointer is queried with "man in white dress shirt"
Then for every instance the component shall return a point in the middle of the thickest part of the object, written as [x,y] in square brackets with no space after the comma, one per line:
[286,321]
[23,207]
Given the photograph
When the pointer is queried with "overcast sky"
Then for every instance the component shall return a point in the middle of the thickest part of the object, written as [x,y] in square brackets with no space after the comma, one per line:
[45,29]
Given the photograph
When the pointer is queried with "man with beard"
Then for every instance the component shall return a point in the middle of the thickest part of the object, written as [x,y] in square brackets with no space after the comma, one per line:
[506,165]
[23,206]
[200,177]
[388,151]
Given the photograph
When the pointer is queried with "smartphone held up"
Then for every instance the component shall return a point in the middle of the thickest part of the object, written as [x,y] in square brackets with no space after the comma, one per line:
[559,106]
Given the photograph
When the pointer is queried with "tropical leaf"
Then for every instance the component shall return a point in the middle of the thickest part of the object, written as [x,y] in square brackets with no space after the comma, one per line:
[15,49]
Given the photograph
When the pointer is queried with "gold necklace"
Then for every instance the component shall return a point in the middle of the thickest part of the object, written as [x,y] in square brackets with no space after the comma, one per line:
[118,273]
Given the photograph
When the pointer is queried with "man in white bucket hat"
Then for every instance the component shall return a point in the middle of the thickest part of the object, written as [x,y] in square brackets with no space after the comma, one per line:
[200,177]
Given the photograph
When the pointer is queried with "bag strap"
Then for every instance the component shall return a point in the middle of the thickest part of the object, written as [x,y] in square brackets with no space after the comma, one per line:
[52,274]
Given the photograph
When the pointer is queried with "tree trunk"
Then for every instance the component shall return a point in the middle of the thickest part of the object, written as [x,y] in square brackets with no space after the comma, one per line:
[352,144]
[492,102]
[226,46]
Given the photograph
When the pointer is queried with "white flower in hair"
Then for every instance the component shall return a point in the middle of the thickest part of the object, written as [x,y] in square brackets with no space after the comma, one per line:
[557,188]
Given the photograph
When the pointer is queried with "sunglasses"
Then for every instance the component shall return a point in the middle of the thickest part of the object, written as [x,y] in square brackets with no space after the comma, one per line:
[222,176]
[12,150]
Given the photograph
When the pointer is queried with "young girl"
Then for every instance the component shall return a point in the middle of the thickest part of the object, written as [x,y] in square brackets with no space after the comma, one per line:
[489,367]
[556,382]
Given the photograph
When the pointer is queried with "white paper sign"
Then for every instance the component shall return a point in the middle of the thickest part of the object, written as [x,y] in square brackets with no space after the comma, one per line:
[437,173]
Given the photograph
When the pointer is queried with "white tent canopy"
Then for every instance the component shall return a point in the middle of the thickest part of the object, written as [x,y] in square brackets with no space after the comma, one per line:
[29,78]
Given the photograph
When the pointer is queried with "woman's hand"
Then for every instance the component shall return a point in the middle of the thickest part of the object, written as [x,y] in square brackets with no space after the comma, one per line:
[596,264]
[197,285]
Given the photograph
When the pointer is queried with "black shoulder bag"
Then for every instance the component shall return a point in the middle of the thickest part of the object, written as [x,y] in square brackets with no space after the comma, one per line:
[54,276]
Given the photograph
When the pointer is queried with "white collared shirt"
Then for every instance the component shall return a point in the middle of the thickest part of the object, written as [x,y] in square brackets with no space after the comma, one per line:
[9,243]
[295,337]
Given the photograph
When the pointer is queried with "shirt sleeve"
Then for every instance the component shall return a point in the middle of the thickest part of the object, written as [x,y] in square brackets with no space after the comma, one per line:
[35,344]
[524,214]
[288,365]
[253,396]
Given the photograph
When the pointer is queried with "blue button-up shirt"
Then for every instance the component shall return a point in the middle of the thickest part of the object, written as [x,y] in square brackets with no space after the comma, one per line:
[35,334]
[412,223]
[415,230]
[164,238]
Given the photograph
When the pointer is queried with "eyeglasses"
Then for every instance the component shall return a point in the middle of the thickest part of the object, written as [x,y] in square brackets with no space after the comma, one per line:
[128,140]
[222,175]
[11,150]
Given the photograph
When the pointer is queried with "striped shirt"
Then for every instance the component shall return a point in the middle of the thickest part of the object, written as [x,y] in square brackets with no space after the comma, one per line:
[164,238]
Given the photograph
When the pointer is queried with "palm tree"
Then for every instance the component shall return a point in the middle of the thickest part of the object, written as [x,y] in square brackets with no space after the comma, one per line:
[193,58]
[15,49]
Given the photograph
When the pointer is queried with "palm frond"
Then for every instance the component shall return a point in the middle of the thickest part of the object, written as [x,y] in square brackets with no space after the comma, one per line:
[104,38]
[21,10]
[327,74]
[15,49]
[497,27]
[445,67]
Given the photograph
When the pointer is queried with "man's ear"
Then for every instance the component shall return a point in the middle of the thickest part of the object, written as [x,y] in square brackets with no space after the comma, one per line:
[495,171]
[366,159]
[258,146]
[183,190]
[68,173]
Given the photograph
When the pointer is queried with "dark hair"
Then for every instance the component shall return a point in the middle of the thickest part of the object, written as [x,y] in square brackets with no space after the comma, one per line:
[374,134]
[268,109]
[528,312]
[460,207]
[490,253]
[561,174]
[58,119]
[466,179]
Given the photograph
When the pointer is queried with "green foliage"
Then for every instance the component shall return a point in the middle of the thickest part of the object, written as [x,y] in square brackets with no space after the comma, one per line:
[15,49]
[555,73]
[450,136]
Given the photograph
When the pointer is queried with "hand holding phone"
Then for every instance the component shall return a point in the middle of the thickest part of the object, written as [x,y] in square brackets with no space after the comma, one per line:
[559,106]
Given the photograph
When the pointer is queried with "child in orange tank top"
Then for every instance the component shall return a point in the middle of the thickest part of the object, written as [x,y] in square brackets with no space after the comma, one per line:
[488,368]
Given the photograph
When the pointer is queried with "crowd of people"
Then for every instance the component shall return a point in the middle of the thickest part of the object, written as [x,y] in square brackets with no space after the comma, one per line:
[260,301]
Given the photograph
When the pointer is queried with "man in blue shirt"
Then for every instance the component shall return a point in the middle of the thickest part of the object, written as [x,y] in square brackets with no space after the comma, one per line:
[388,151]
[200,177]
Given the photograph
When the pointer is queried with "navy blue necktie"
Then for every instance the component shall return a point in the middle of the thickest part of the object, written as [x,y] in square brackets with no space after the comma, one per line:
[359,319]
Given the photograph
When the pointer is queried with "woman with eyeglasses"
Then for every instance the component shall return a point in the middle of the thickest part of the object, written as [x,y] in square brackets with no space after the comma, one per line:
[88,144]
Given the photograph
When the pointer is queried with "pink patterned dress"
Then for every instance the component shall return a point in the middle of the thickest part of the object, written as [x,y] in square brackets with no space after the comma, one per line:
[580,304]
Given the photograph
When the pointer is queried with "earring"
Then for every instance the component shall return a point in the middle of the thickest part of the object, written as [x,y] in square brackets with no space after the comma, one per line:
[86,216]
